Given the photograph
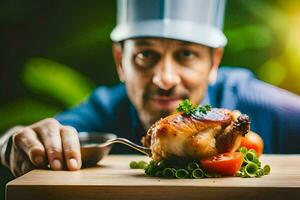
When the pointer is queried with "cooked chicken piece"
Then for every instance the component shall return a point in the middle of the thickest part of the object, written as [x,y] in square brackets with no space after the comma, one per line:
[196,136]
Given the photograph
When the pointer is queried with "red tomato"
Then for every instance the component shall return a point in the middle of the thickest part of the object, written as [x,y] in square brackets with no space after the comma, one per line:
[225,164]
[253,141]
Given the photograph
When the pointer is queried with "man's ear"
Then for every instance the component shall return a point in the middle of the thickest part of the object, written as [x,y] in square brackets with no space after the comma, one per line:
[117,54]
[217,55]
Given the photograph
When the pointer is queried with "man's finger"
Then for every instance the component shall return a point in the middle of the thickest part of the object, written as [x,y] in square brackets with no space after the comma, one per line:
[27,140]
[13,162]
[49,133]
[71,147]
[26,166]
[17,158]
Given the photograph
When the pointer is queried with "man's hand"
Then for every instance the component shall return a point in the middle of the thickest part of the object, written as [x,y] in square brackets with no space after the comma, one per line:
[45,142]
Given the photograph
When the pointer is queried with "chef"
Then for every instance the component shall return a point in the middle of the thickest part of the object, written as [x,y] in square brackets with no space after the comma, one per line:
[164,51]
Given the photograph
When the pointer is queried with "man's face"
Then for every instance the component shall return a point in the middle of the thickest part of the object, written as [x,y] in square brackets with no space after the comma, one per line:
[159,73]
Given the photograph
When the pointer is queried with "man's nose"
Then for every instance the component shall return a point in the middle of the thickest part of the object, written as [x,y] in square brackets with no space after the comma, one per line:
[166,76]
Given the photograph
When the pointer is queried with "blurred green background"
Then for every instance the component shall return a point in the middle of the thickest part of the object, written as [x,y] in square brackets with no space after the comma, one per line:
[53,53]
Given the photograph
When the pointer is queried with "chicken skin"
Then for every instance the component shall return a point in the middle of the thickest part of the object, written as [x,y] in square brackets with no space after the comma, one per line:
[198,135]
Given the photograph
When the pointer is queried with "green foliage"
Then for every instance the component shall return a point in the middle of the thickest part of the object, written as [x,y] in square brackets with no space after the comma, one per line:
[48,79]
[25,111]
[56,80]
[241,38]
[273,72]
[264,37]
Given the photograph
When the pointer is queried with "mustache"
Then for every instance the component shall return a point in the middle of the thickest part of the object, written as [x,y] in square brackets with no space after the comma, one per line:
[173,92]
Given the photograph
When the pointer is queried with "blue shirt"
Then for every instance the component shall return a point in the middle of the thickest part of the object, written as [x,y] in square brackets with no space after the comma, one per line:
[274,113]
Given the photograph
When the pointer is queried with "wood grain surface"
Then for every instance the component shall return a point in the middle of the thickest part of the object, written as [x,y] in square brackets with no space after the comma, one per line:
[113,179]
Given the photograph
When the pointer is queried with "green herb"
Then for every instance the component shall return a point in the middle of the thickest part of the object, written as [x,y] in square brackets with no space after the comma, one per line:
[211,175]
[188,108]
[172,169]
[181,173]
[193,165]
[197,173]
[133,165]
[243,150]
[251,169]
[185,168]
[158,173]
[251,165]
[168,172]
[259,173]
[142,164]
[162,164]
[138,165]
[151,170]
[267,169]
[204,109]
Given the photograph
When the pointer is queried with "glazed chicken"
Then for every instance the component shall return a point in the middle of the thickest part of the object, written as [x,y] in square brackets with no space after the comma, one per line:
[196,136]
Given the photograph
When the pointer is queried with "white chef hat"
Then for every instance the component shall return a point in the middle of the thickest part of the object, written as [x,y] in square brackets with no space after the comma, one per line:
[198,21]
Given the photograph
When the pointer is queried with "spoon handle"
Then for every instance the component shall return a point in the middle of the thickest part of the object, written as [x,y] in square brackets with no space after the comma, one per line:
[144,150]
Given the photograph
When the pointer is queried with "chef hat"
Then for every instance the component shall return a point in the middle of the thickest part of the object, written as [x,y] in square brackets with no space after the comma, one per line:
[197,21]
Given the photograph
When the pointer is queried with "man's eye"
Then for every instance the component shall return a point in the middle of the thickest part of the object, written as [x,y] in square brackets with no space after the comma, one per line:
[147,54]
[146,58]
[185,54]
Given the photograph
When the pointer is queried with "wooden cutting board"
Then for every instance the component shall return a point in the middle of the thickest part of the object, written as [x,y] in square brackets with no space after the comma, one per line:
[113,179]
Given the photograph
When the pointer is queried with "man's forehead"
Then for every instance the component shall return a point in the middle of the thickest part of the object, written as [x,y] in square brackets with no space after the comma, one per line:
[158,41]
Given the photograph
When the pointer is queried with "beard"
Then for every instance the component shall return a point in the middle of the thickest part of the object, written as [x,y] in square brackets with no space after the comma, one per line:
[150,115]
[173,92]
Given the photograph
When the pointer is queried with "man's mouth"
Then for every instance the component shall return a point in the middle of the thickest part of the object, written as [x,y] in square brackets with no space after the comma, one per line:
[165,102]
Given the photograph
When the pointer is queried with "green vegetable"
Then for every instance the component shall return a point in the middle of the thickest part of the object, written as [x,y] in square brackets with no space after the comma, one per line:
[249,156]
[253,151]
[251,168]
[193,165]
[184,168]
[267,169]
[252,165]
[240,173]
[260,172]
[197,173]
[204,109]
[188,108]
[151,170]
[158,173]
[162,164]
[243,150]
[168,173]
[137,165]
[181,173]
[256,161]
[211,175]
[142,164]
[133,165]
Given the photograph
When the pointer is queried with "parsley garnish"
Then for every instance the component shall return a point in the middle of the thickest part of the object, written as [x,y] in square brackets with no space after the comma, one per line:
[188,108]
[204,109]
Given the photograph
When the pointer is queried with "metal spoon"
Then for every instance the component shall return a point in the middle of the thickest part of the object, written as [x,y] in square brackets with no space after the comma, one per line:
[94,146]
[141,149]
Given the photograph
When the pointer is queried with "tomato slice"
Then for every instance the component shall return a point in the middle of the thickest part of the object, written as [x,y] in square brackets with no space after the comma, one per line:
[226,164]
[253,141]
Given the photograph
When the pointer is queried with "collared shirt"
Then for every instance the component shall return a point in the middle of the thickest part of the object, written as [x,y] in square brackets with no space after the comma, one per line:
[274,113]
